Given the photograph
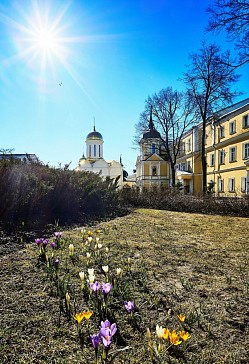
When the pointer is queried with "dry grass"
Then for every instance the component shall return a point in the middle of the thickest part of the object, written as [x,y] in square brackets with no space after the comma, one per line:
[181,263]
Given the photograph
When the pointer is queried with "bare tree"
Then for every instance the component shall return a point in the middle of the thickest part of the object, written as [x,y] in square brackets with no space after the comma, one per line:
[233,15]
[172,117]
[209,80]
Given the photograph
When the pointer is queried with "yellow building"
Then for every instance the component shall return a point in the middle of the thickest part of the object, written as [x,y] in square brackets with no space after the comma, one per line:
[152,169]
[188,167]
[227,153]
[227,147]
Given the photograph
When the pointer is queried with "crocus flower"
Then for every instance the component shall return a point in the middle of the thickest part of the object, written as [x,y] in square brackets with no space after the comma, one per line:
[97,240]
[87,314]
[119,271]
[99,245]
[71,249]
[105,268]
[44,242]
[181,317]
[129,306]
[107,325]
[67,298]
[89,239]
[82,275]
[174,338]
[95,340]
[184,335]
[107,330]
[106,337]
[38,241]
[88,255]
[53,244]
[95,286]
[106,288]
[58,234]
[79,317]
[90,271]
[166,334]
[159,331]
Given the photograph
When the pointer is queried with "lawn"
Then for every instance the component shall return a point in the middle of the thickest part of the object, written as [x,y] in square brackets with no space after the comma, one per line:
[170,264]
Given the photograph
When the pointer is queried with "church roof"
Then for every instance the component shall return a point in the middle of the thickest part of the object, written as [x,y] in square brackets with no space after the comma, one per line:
[152,132]
[94,135]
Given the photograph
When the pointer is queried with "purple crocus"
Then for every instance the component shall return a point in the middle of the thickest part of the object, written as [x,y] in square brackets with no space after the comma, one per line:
[106,287]
[95,340]
[53,244]
[95,286]
[107,330]
[38,241]
[129,306]
[44,242]
[57,235]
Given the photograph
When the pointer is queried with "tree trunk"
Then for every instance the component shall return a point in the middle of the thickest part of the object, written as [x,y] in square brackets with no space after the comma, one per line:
[203,159]
[173,174]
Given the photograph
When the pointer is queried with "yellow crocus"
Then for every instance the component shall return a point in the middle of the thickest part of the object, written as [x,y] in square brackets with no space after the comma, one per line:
[174,338]
[184,335]
[166,334]
[79,317]
[87,314]
[181,317]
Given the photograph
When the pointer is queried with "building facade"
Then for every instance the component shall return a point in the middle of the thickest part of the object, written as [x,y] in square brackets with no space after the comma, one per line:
[95,162]
[152,168]
[227,153]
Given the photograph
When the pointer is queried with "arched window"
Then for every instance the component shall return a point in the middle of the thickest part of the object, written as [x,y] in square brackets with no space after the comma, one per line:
[94,150]
[153,148]
[90,151]
[99,152]
[154,171]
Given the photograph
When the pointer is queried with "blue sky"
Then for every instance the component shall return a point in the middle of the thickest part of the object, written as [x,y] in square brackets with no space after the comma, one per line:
[109,56]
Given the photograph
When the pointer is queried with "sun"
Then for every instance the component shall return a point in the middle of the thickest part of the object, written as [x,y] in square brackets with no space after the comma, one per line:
[41,36]
[45,40]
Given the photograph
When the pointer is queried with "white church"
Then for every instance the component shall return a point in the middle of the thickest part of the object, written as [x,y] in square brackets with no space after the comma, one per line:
[94,160]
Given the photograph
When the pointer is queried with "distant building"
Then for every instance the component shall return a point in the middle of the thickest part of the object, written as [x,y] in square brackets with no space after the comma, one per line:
[94,160]
[227,154]
[25,158]
[152,167]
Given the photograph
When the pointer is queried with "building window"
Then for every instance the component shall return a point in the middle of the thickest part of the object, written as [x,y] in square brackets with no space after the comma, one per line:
[221,132]
[154,171]
[183,147]
[232,127]
[245,151]
[212,159]
[245,121]
[231,184]
[232,154]
[182,166]
[94,150]
[99,152]
[221,156]
[189,145]
[90,151]
[189,169]
[243,184]
[153,148]
[220,184]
